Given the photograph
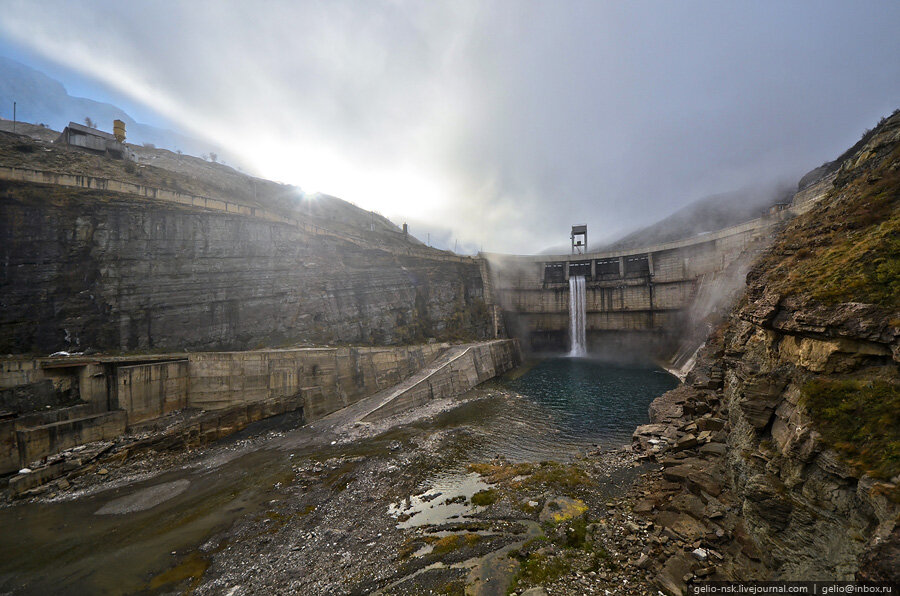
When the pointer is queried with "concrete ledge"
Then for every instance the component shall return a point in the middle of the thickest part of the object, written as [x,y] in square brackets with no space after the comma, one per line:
[41,441]
[10,459]
[212,426]
[20,483]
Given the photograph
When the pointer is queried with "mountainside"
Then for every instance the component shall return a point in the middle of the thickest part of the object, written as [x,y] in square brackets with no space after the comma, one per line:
[41,99]
[727,209]
[705,215]
[105,254]
[800,393]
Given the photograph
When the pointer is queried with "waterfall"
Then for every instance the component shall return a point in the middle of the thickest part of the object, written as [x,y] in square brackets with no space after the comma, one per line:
[576,316]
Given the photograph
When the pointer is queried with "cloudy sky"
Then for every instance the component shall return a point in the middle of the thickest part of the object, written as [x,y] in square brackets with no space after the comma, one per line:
[496,123]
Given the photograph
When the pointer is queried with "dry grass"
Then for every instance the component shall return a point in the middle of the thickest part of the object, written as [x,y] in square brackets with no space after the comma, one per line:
[531,475]
[847,249]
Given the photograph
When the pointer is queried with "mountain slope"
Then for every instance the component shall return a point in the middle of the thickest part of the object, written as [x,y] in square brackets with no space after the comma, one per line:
[706,215]
[41,99]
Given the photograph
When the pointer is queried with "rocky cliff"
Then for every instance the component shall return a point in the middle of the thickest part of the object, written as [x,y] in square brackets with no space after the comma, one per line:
[784,444]
[88,268]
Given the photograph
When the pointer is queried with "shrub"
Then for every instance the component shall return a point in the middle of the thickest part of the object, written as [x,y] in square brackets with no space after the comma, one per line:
[860,420]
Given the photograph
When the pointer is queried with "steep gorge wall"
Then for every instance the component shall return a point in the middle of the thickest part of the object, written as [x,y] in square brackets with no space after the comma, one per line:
[786,434]
[95,269]
[812,512]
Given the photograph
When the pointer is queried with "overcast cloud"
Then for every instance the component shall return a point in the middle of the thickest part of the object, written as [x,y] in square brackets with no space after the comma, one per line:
[495,123]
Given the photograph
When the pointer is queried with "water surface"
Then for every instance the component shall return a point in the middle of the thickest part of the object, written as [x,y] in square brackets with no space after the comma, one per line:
[560,407]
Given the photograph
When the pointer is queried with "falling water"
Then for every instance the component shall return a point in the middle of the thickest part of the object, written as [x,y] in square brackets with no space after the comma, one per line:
[576,316]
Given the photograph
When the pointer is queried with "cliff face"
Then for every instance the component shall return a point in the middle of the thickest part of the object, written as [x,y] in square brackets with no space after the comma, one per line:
[801,392]
[802,498]
[92,269]
[811,385]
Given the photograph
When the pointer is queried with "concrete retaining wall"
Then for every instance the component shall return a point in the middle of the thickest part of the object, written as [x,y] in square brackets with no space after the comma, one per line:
[475,365]
[14,453]
[806,197]
[147,391]
[329,378]
[242,386]
[40,441]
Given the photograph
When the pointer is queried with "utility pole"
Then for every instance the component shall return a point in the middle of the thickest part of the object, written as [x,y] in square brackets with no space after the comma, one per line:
[14,117]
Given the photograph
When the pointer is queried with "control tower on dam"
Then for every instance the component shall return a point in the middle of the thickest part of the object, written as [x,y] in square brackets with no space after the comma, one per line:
[636,300]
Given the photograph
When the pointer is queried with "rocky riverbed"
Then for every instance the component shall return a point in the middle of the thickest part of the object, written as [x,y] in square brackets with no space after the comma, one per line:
[414,506]
[430,502]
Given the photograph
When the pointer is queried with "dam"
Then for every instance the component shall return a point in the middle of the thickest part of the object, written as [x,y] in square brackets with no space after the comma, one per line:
[638,297]
[638,301]
[181,286]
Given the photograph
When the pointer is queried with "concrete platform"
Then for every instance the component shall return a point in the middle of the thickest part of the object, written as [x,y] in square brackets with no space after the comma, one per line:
[47,439]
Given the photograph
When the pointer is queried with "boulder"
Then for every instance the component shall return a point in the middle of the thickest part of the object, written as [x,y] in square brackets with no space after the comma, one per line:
[716,449]
[670,579]
[686,442]
[559,509]
[683,525]
[669,406]
[711,423]
[645,506]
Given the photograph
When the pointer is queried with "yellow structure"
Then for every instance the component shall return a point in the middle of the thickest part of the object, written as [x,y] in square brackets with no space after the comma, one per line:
[119,130]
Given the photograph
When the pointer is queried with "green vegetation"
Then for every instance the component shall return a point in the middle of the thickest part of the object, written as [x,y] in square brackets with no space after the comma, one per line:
[576,535]
[859,419]
[502,472]
[187,574]
[538,568]
[453,588]
[485,497]
[529,475]
[559,475]
[848,249]
[558,551]
[410,545]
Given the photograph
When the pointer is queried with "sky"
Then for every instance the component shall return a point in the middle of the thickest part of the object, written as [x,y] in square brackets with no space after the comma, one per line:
[494,124]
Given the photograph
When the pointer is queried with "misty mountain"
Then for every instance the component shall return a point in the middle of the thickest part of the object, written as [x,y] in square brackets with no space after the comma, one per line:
[44,100]
[706,215]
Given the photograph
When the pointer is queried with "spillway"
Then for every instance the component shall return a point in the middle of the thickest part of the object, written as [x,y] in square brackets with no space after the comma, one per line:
[577,316]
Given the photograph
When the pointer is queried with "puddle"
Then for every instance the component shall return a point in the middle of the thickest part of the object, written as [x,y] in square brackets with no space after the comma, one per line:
[448,500]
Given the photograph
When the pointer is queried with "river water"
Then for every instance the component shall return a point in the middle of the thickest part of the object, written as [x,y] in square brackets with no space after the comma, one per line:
[121,540]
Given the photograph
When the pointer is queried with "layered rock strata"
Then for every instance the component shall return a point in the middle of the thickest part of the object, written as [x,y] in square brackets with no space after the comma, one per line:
[778,453]
[86,269]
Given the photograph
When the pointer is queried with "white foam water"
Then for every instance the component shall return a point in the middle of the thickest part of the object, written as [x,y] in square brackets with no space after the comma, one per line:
[577,316]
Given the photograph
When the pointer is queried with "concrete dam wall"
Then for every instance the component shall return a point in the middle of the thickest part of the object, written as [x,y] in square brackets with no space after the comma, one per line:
[648,301]
[93,268]
[635,300]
